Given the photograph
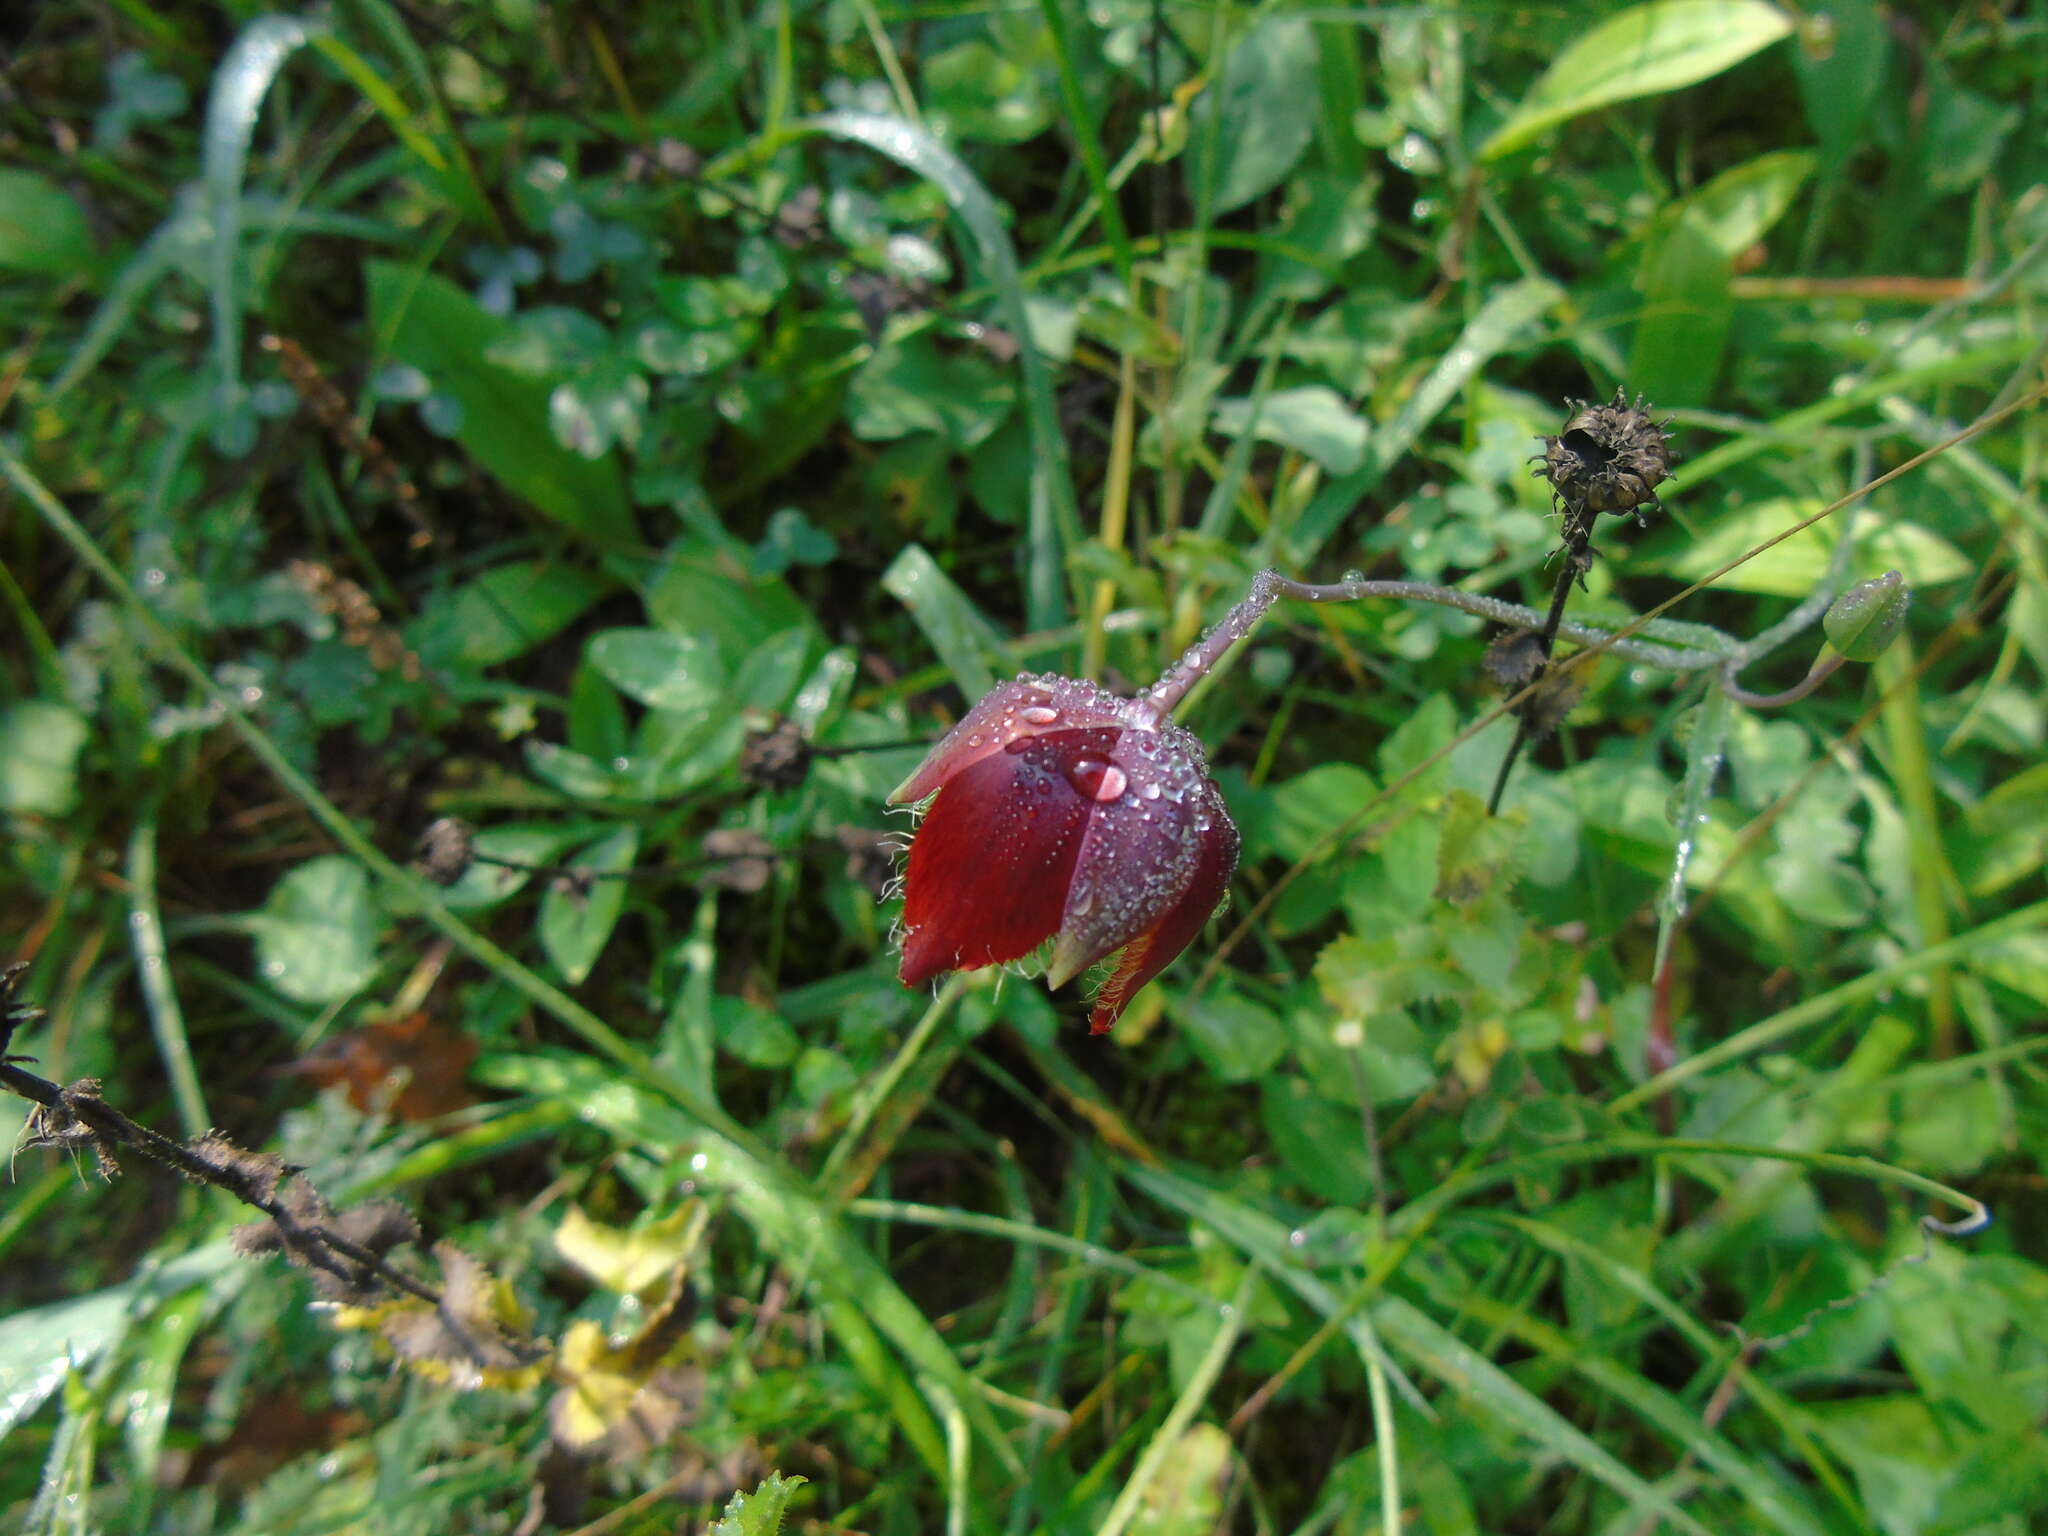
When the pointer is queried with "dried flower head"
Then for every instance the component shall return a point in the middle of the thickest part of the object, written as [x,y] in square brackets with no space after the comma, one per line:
[1608,458]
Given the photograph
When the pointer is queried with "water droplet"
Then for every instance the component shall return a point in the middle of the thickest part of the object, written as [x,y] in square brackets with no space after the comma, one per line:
[1298,1238]
[1038,714]
[1150,791]
[974,740]
[1097,778]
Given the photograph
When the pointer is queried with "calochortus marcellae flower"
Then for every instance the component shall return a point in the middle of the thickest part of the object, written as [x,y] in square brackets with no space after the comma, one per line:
[1058,810]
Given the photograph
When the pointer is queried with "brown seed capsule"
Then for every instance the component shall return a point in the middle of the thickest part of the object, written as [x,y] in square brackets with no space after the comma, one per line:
[445,851]
[1609,458]
[1555,697]
[777,758]
[1515,659]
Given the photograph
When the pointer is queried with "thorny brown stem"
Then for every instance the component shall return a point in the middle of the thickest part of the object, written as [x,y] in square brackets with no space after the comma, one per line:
[75,1115]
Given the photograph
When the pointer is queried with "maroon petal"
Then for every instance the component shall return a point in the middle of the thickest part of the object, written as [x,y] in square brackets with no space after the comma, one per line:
[1150,953]
[1023,707]
[1153,808]
[992,860]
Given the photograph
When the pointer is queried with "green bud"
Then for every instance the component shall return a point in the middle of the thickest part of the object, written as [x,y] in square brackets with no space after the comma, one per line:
[1867,618]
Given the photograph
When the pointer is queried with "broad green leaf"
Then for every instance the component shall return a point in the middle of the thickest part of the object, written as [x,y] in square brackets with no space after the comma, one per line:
[1838,84]
[1687,268]
[1262,112]
[911,386]
[577,917]
[429,323]
[316,936]
[1643,51]
[715,594]
[505,613]
[1795,567]
[1235,1036]
[1307,806]
[973,92]
[42,228]
[659,669]
[39,747]
[1312,419]
[1321,1144]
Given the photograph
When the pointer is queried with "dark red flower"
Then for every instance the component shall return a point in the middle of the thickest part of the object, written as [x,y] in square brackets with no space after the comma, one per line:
[1060,811]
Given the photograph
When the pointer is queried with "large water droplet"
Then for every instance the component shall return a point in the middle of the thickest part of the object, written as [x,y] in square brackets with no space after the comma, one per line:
[1097,778]
[1038,714]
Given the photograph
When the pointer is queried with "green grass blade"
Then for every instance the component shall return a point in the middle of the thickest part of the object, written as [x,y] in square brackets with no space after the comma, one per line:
[239,86]
[1486,1386]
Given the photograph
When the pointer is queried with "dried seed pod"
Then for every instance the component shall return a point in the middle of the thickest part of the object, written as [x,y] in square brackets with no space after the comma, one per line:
[1608,458]
[778,758]
[1514,660]
[1553,698]
[445,851]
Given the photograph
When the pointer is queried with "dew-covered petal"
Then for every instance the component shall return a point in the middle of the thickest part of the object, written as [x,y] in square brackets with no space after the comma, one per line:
[1025,706]
[993,858]
[1150,953]
[1152,809]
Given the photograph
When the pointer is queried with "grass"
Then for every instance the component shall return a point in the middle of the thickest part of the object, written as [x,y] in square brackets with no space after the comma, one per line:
[1617,1163]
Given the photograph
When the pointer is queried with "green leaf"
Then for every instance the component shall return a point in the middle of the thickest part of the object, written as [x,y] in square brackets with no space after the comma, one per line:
[1644,51]
[42,229]
[1688,265]
[1321,1144]
[1307,806]
[39,747]
[759,1513]
[910,386]
[1795,567]
[576,918]
[1235,1036]
[316,935]
[973,92]
[430,323]
[505,613]
[1262,111]
[661,670]
[38,1347]
[964,640]
[1313,419]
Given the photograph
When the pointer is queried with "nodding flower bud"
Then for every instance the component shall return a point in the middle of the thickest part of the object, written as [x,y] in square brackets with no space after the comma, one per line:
[1609,458]
[1060,811]
[1864,621]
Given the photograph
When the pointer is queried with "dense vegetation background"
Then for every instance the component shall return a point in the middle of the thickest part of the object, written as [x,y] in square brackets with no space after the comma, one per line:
[499,410]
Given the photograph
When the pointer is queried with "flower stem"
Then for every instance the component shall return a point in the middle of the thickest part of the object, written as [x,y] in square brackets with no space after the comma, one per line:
[1693,647]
